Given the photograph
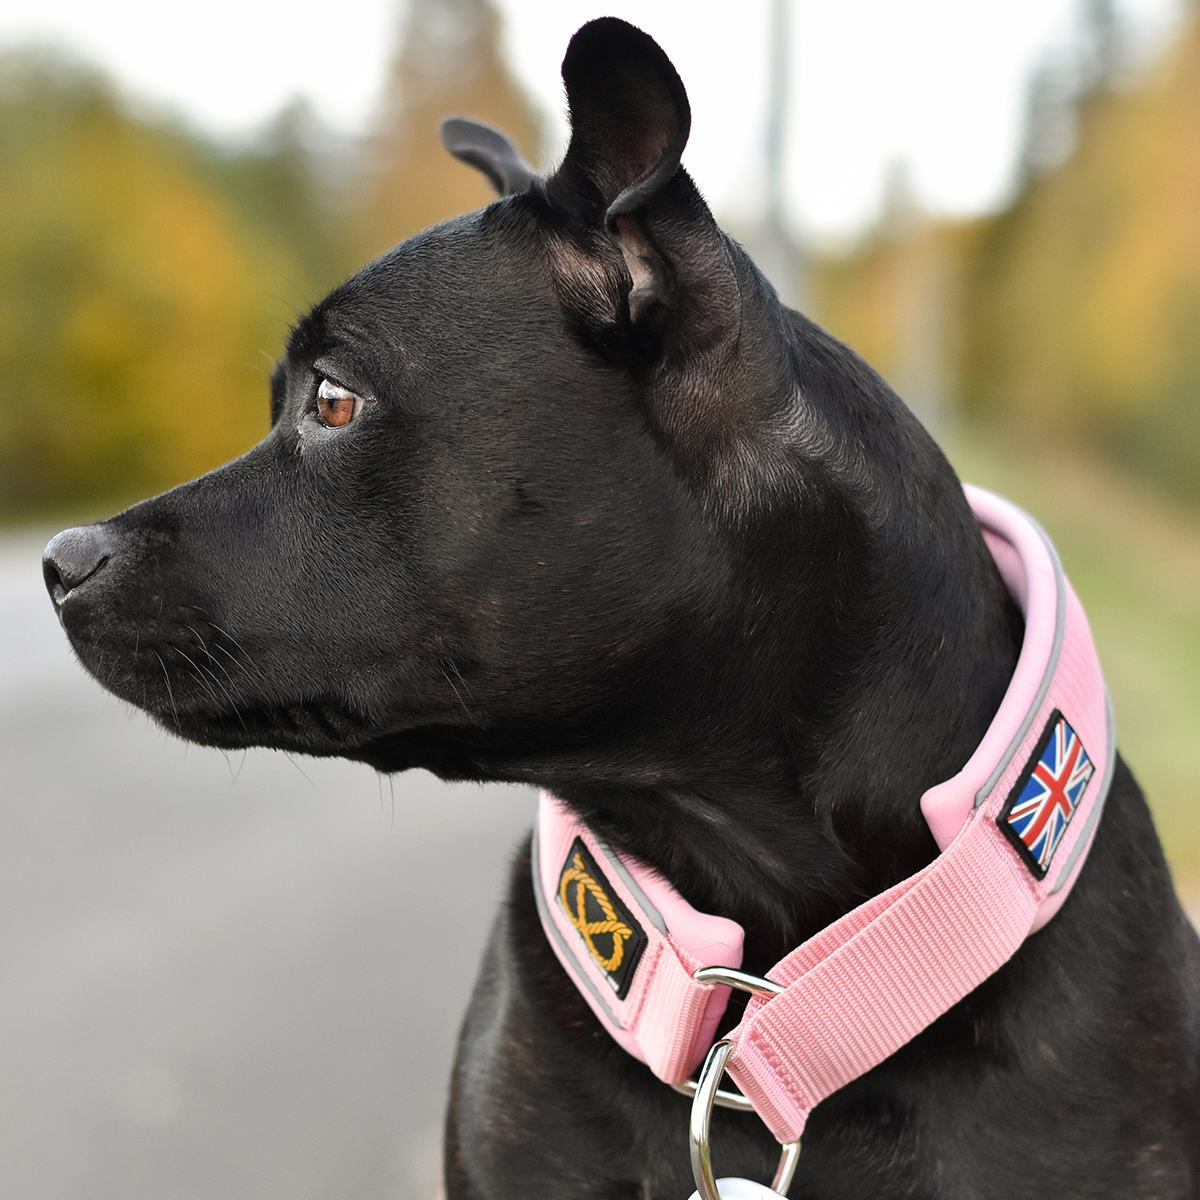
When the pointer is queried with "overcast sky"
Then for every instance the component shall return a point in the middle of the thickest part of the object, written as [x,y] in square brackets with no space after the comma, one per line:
[936,84]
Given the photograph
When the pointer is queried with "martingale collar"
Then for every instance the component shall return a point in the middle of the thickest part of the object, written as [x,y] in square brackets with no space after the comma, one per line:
[1013,826]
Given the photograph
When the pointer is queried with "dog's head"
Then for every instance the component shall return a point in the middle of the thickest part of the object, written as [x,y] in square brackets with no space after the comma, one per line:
[556,490]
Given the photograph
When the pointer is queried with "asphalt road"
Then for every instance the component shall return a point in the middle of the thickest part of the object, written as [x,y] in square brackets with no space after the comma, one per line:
[220,976]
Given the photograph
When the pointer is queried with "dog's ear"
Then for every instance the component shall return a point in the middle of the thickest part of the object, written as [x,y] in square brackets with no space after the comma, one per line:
[630,121]
[487,149]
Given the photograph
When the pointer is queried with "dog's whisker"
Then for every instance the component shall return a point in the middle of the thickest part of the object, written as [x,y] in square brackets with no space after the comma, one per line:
[470,714]
[170,691]
[246,662]
[212,658]
[215,688]
[458,675]
[205,678]
[249,669]
[299,768]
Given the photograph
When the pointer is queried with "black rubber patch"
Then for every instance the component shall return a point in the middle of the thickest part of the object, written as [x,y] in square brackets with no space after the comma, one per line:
[608,929]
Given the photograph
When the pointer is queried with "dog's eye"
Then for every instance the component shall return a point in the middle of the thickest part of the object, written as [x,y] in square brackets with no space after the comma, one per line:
[336,405]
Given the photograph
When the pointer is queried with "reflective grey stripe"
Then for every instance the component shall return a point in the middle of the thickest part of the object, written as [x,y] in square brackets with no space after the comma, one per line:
[648,909]
[1060,629]
[1109,761]
[555,934]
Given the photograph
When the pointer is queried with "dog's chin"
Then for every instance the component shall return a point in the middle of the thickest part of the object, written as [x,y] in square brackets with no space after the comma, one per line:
[216,717]
[319,728]
[322,730]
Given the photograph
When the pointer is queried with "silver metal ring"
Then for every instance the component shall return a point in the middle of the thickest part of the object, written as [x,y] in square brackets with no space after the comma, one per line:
[701,1119]
[721,1098]
[729,977]
[738,979]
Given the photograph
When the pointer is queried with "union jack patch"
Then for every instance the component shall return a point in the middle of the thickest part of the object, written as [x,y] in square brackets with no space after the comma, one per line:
[1046,794]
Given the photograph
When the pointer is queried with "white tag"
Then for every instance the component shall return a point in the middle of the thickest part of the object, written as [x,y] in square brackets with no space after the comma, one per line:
[733,1188]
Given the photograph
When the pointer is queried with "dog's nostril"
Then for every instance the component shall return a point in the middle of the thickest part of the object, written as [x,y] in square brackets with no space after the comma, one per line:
[73,556]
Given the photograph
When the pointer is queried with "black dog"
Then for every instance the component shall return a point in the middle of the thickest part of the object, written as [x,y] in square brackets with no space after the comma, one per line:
[557,492]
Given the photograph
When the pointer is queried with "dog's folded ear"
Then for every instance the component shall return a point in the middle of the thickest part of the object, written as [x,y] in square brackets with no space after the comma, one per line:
[630,121]
[487,149]
[630,116]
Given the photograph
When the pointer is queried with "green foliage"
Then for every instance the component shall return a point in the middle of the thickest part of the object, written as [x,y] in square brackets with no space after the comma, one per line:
[276,187]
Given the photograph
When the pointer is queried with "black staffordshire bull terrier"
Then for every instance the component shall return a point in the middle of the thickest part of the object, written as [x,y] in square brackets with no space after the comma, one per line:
[558,493]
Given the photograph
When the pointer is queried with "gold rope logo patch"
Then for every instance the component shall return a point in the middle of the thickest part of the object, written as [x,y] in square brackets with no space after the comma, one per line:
[611,924]
[613,938]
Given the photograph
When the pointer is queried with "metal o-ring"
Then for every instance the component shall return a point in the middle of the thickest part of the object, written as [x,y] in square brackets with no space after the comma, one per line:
[701,1119]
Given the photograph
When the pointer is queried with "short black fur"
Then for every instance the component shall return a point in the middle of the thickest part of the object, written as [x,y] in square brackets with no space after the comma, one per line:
[613,521]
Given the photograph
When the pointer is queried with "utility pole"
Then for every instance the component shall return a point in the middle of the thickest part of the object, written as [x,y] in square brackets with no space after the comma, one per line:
[777,252]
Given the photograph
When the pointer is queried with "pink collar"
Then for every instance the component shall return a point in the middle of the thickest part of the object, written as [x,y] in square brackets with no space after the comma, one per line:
[1014,827]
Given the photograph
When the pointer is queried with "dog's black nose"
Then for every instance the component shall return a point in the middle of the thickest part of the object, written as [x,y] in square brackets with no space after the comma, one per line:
[73,556]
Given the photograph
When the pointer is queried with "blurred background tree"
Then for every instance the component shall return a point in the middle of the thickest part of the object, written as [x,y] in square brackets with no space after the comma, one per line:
[1073,314]
[133,297]
[1054,349]
[148,277]
[1082,312]
[449,64]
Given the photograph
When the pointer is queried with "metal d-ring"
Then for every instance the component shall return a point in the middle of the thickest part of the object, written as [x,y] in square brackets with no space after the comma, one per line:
[739,980]
[744,983]
[698,1130]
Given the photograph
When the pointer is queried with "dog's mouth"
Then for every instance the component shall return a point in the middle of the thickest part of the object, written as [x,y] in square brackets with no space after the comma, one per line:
[206,691]
[205,684]
[161,647]
[200,682]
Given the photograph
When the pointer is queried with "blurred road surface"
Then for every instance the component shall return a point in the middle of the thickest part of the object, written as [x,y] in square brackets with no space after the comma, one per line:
[221,977]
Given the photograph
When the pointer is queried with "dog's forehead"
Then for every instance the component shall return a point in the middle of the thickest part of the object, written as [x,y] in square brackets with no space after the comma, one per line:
[453,284]
[381,307]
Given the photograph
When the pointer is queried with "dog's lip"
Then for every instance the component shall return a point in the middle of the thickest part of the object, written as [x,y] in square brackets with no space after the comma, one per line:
[60,594]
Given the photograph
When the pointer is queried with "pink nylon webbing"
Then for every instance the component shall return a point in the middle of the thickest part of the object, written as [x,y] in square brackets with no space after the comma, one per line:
[867,984]
[666,1018]
[864,986]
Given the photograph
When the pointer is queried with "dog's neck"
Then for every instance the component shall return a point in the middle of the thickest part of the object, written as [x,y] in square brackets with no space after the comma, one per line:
[785,834]
[794,786]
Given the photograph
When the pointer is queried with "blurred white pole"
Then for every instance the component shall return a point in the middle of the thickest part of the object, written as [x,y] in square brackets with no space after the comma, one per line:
[777,97]
[776,251]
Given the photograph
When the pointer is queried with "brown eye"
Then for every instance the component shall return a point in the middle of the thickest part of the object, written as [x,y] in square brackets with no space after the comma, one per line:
[335,405]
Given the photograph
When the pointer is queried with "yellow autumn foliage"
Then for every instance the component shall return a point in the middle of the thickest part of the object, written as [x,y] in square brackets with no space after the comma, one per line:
[138,314]
[1074,313]
[1085,292]
[449,64]
[148,278]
